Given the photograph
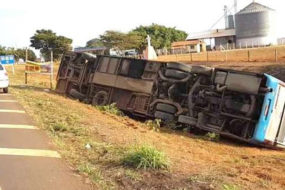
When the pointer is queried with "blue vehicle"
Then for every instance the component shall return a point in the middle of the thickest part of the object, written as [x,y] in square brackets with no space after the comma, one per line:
[237,104]
[270,129]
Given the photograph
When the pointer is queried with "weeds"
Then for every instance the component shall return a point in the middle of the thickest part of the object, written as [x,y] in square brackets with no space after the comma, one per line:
[146,156]
[230,187]
[112,108]
[154,124]
[212,136]
[58,127]
[94,174]
[133,175]
[202,178]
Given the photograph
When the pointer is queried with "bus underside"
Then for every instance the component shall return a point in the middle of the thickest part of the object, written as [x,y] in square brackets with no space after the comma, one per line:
[223,101]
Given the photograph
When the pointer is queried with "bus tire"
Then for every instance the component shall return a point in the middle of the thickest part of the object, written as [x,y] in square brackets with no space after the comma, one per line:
[100,98]
[163,116]
[76,94]
[200,69]
[166,108]
[175,74]
[178,66]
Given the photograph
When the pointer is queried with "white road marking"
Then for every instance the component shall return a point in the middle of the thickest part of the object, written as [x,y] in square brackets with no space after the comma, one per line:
[29,152]
[12,111]
[8,101]
[9,126]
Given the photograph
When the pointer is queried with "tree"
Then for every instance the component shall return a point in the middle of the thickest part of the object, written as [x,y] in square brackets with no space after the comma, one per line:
[18,53]
[21,54]
[136,39]
[96,42]
[120,40]
[47,40]
[161,36]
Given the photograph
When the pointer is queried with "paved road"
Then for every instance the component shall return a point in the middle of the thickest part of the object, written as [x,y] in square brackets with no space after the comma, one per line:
[28,160]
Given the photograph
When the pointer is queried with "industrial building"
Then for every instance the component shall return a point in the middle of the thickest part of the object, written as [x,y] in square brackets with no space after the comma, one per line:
[252,26]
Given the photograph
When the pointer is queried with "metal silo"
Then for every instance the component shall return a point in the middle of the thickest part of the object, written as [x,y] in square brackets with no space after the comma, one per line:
[255,26]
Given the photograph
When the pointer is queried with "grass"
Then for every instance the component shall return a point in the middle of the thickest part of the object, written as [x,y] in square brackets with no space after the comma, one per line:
[230,187]
[212,136]
[153,124]
[146,156]
[112,109]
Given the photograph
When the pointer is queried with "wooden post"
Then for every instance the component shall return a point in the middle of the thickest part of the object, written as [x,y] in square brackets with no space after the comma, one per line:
[207,56]
[191,57]
[226,56]
[26,78]
[26,55]
[51,69]
[276,55]
[248,55]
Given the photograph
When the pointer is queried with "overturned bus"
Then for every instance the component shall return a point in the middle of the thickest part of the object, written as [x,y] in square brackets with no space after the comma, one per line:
[241,105]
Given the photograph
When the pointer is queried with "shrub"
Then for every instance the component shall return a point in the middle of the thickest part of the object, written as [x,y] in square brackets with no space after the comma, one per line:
[153,124]
[58,127]
[112,108]
[146,156]
[212,136]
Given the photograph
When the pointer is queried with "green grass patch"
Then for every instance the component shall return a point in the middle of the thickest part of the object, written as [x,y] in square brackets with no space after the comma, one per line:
[212,136]
[230,187]
[112,109]
[154,124]
[145,156]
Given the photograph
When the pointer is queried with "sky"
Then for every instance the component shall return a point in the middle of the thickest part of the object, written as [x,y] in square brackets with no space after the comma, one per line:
[87,19]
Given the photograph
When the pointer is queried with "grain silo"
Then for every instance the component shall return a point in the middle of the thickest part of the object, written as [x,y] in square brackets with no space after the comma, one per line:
[255,26]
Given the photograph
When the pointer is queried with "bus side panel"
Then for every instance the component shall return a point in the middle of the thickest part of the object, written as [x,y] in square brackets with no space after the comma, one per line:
[267,109]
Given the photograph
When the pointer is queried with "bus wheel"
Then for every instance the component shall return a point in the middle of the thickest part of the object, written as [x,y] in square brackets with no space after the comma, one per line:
[100,99]
[175,74]
[164,116]
[76,94]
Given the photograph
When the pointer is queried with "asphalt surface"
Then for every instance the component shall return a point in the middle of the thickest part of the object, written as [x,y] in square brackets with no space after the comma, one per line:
[28,160]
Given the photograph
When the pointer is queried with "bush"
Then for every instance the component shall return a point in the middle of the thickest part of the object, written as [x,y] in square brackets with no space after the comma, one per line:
[153,124]
[58,127]
[146,156]
[112,108]
[212,136]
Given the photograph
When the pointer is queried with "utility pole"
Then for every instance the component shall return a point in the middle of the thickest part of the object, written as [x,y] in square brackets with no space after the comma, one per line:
[26,55]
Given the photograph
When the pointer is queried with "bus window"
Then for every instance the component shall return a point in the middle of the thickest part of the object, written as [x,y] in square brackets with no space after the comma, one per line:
[113,65]
[103,66]
[136,69]
[125,67]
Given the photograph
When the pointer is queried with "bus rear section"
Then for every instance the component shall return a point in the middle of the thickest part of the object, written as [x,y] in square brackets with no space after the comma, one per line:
[270,129]
[237,104]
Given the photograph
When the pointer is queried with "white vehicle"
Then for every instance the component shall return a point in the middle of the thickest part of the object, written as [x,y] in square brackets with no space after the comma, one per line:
[4,80]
